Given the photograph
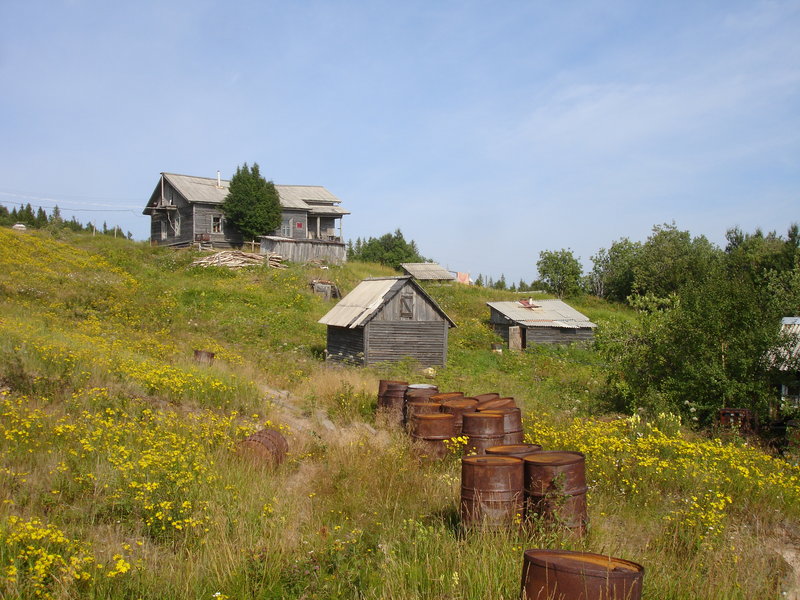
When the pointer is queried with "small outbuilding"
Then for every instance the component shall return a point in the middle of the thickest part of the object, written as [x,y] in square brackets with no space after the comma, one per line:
[786,363]
[427,271]
[387,319]
[541,322]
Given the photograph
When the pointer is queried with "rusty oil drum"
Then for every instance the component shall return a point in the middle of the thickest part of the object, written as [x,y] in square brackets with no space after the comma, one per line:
[430,431]
[518,450]
[483,430]
[561,574]
[457,408]
[555,488]
[496,403]
[420,407]
[392,399]
[484,397]
[267,447]
[491,490]
[512,424]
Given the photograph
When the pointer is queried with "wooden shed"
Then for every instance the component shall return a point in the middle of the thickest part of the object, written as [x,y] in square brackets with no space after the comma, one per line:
[541,322]
[387,319]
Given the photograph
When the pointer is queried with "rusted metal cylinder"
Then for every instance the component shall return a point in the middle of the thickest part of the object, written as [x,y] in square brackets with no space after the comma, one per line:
[484,397]
[518,450]
[430,431]
[421,390]
[383,384]
[496,403]
[483,430]
[267,446]
[555,488]
[392,402]
[579,576]
[491,490]
[420,407]
[457,408]
[512,424]
[444,396]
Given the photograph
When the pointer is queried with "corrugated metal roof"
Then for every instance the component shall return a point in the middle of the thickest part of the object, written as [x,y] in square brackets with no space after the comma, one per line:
[550,313]
[204,189]
[428,271]
[366,298]
[364,301]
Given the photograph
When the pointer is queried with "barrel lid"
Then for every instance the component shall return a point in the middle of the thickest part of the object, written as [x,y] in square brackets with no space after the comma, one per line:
[491,461]
[422,402]
[423,386]
[433,416]
[504,410]
[583,562]
[460,402]
[555,457]
[442,396]
[482,415]
[513,448]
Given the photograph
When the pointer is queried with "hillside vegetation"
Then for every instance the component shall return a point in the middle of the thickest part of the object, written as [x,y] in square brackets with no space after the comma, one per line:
[119,476]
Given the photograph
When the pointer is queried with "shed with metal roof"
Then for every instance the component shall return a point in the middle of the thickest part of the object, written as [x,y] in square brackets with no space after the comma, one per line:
[387,319]
[541,321]
[428,271]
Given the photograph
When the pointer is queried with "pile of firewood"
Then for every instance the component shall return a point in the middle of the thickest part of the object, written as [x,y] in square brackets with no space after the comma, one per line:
[236,259]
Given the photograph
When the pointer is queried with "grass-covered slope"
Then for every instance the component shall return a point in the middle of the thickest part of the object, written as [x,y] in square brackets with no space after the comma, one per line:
[118,477]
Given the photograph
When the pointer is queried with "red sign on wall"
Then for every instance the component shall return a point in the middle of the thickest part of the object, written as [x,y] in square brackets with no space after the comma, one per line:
[299,225]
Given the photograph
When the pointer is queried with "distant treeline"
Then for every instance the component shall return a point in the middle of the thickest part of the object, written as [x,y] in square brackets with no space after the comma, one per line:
[40,219]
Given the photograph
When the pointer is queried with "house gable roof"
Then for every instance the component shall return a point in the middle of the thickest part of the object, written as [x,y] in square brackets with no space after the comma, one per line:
[543,313]
[428,271]
[364,301]
[314,199]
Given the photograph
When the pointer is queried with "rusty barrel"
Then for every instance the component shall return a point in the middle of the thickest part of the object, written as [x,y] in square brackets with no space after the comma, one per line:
[444,396]
[383,384]
[518,450]
[392,401]
[421,390]
[512,424]
[430,431]
[489,396]
[491,490]
[579,576]
[267,446]
[496,403]
[555,488]
[483,430]
[457,408]
[420,407]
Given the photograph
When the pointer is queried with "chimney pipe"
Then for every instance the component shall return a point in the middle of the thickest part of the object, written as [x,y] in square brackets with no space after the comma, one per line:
[219,182]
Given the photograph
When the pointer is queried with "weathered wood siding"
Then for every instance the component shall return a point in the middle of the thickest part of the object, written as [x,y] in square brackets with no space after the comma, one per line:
[305,250]
[204,214]
[558,335]
[425,342]
[346,345]
[422,310]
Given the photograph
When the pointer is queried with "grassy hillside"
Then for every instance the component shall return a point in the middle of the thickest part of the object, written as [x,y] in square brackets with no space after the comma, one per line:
[118,475]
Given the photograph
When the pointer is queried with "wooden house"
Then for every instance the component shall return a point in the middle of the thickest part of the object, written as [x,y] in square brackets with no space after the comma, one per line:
[185,210]
[541,322]
[429,271]
[786,363]
[387,319]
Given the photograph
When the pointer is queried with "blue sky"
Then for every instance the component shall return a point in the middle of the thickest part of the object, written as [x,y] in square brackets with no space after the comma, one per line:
[486,132]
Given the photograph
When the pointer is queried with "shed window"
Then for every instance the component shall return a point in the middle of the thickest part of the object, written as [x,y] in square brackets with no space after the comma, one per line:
[407,306]
[216,224]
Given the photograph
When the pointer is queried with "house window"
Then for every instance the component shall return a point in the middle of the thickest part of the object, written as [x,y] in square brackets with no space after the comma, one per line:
[177,224]
[286,228]
[407,306]
[216,224]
